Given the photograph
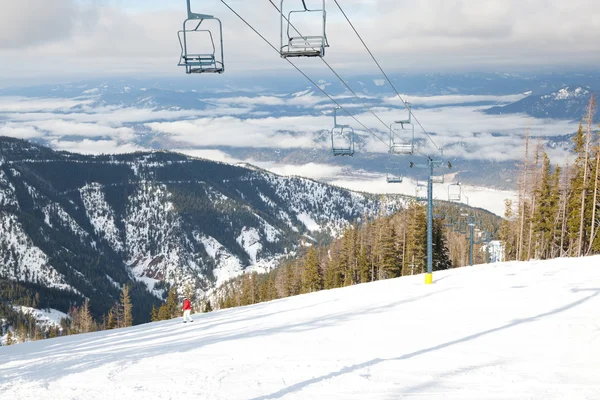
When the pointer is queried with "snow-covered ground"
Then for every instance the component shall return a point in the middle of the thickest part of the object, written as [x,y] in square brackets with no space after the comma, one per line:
[500,331]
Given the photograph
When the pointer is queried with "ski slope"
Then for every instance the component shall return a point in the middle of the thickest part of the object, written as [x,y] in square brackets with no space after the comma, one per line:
[500,331]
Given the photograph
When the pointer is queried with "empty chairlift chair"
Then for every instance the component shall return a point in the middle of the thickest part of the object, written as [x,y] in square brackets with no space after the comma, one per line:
[437,178]
[394,176]
[402,136]
[293,42]
[421,191]
[198,51]
[454,192]
[342,138]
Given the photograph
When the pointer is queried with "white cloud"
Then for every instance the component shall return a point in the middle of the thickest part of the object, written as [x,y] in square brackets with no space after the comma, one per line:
[107,37]
[20,131]
[464,132]
[309,170]
[95,146]
[209,154]
[59,127]
[489,199]
[30,104]
[445,100]
[285,132]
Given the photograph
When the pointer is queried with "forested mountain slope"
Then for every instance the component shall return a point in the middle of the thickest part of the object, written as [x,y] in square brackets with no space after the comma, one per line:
[76,226]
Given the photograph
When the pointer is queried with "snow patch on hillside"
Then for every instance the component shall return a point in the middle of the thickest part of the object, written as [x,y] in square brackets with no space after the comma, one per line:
[249,239]
[101,215]
[567,93]
[228,266]
[7,191]
[156,245]
[21,260]
[44,318]
[55,211]
[310,223]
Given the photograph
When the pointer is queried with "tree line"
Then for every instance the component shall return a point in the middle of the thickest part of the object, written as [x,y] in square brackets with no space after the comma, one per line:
[382,248]
[556,213]
[20,327]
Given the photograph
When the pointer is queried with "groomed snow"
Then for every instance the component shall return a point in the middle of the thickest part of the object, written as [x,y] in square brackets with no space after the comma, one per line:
[501,331]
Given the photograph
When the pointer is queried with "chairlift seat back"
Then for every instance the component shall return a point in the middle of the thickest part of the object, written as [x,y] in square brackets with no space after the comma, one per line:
[342,140]
[294,43]
[199,53]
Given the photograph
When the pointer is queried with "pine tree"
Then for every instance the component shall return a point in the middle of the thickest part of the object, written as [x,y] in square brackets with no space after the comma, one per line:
[594,243]
[126,308]
[312,277]
[163,313]
[523,194]
[389,264]
[154,314]
[172,304]
[441,259]
[208,307]
[589,119]
[9,338]
[577,193]
[111,322]
[507,232]
[544,216]
[85,318]
[416,240]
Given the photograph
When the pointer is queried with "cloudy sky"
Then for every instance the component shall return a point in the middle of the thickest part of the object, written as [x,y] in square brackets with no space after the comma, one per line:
[40,39]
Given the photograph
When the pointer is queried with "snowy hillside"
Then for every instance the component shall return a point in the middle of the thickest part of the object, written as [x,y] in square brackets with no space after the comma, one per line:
[500,331]
[565,103]
[86,225]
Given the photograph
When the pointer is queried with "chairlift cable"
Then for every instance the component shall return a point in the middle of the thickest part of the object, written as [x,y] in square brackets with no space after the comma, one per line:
[383,72]
[304,74]
[388,127]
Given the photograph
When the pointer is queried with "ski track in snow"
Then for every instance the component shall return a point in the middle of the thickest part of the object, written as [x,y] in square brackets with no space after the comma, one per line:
[500,331]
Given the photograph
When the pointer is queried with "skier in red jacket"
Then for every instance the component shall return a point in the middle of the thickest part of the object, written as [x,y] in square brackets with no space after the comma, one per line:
[187,310]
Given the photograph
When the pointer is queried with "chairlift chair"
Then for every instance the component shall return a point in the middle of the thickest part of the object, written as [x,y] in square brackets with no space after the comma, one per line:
[293,43]
[394,175]
[402,135]
[342,138]
[454,192]
[194,54]
[421,191]
[394,178]
[437,178]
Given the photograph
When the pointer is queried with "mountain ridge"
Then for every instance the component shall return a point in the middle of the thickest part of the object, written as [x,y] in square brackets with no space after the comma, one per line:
[90,224]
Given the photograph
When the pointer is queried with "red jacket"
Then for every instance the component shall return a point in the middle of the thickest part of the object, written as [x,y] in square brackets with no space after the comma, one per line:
[187,305]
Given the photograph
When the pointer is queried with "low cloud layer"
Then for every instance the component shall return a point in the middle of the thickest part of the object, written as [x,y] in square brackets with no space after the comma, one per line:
[463,131]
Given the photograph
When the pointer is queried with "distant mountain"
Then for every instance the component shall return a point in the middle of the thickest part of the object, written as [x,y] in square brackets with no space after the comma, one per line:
[75,226]
[566,103]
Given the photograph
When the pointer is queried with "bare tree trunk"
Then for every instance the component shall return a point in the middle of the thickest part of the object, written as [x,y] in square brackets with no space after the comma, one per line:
[533,205]
[557,221]
[534,189]
[593,233]
[590,116]
[522,198]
